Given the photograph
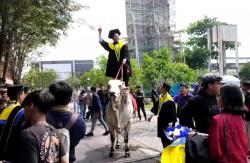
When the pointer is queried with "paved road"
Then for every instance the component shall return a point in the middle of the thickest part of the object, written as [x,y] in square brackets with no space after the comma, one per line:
[144,146]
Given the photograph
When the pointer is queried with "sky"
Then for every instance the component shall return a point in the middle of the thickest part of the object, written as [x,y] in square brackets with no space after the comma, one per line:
[81,41]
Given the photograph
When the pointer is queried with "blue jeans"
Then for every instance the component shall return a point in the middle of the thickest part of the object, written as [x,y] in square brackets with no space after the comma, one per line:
[104,107]
[82,110]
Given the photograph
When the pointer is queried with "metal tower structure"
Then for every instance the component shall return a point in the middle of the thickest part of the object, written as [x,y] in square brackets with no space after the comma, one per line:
[150,25]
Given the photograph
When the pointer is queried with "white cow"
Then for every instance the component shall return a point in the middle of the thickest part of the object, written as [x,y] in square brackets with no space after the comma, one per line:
[119,112]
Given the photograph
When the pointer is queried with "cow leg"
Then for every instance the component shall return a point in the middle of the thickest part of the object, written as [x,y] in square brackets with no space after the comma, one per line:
[127,152]
[117,146]
[112,149]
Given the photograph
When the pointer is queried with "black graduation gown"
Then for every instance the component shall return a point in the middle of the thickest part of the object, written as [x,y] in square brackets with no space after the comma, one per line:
[113,64]
[166,116]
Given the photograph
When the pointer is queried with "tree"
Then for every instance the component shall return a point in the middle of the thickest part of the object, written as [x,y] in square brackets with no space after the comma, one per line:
[196,51]
[96,76]
[74,82]
[197,57]
[36,79]
[28,25]
[157,68]
[245,71]
[135,80]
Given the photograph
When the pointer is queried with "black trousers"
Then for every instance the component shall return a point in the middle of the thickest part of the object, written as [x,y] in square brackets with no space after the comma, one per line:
[141,107]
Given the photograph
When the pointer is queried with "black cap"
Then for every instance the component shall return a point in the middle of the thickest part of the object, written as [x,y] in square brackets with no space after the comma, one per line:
[113,32]
[246,81]
[13,91]
[210,79]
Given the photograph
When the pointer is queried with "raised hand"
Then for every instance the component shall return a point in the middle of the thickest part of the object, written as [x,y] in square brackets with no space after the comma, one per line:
[100,30]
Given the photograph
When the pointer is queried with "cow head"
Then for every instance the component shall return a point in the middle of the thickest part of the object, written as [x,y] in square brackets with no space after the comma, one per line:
[115,87]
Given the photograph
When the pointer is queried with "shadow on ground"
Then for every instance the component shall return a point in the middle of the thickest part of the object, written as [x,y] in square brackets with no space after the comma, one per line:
[102,156]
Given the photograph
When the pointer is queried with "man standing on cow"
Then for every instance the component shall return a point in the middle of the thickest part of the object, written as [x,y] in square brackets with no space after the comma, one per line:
[118,56]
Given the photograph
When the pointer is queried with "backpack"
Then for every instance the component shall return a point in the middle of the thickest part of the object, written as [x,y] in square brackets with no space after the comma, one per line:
[63,132]
[196,149]
[10,126]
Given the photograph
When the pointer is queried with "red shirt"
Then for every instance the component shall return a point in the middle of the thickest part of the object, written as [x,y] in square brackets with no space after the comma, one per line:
[231,148]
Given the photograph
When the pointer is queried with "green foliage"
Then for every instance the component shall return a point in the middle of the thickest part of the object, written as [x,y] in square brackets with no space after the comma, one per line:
[149,72]
[74,82]
[30,25]
[245,71]
[135,80]
[36,79]
[96,76]
[158,68]
[197,57]
[197,53]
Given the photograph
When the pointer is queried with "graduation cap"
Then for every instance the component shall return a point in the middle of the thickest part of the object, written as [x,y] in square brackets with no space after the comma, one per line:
[14,90]
[113,32]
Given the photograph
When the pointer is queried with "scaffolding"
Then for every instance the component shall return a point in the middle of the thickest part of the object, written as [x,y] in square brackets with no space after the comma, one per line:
[150,26]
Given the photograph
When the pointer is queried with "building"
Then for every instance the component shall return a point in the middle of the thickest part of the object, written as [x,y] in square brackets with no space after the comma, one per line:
[67,68]
[230,67]
[149,25]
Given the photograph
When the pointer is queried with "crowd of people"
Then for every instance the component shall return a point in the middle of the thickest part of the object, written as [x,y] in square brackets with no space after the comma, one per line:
[220,111]
[33,124]
[32,119]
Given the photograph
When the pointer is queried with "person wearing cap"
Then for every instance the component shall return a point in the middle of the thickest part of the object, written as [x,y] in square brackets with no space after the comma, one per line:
[182,98]
[11,122]
[202,107]
[245,87]
[118,55]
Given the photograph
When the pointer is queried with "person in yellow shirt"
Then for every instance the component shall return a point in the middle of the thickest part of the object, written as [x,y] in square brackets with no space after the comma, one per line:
[166,113]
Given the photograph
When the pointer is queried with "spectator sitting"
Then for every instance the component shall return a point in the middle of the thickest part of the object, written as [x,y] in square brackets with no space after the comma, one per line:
[60,113]
[227,133]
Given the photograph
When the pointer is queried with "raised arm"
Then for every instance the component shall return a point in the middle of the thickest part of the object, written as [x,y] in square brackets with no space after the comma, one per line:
[104,44]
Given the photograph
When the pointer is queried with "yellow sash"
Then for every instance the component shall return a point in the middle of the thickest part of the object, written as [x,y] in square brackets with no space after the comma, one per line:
[163,99]
[6,112]
[117,48]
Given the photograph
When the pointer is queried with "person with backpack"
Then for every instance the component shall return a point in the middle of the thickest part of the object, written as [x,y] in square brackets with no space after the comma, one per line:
[11,122]
[40,142]
[227,136]
[62,118]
